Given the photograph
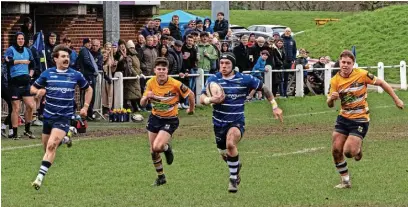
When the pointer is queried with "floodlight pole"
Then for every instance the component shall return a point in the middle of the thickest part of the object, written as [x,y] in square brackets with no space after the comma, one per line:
[220,6]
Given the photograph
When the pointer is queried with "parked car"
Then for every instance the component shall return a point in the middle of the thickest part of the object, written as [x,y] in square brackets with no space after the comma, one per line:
[237,28]
[268,28]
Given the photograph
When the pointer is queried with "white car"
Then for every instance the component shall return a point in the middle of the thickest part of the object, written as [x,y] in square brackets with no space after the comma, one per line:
[268,28]
[237,28]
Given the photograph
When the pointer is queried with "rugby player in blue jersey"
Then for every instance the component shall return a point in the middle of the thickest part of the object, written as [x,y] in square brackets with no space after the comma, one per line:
[57,84]
[228,112]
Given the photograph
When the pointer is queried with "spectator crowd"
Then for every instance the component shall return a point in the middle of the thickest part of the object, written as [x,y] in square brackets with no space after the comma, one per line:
[200,46]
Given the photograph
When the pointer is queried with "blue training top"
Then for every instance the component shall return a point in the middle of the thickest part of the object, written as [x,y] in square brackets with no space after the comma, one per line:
[236,89]
[60,87]
[19,69]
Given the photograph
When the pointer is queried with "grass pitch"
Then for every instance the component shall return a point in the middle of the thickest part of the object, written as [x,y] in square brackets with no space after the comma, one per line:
[283,165]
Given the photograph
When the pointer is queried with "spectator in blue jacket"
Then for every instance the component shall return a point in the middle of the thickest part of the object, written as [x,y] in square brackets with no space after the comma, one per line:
[260,66]
[207,25]
[290,51]
[74,54]
[89,68]
[149,29]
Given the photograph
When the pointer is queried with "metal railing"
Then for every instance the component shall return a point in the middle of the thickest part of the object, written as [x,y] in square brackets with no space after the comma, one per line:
[200,76]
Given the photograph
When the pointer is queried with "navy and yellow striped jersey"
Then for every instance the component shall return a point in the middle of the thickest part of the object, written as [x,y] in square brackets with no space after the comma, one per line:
[60,91]
[236,89]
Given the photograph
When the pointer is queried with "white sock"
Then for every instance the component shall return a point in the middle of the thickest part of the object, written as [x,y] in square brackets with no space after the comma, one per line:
[65,140]
[345,178]
[11,132]
[166,147]
[40,176]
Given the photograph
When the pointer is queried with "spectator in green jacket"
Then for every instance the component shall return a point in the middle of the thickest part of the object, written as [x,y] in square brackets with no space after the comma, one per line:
[206,53]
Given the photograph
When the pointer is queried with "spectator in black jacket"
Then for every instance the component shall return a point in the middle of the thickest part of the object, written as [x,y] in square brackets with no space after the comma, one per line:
[242,54]
[221,25]
[157,27]
[174,27]
[27,29]
[278,56]
[49,47]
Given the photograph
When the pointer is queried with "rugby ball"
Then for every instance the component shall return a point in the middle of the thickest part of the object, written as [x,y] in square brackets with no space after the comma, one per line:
[214,89]
[137,118]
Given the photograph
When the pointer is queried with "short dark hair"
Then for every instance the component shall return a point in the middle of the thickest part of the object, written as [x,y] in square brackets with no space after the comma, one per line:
[204,34]
[172,18]
[161,61]
[58,48]
[222,13]
[189,36]
[195,33]
[348,53]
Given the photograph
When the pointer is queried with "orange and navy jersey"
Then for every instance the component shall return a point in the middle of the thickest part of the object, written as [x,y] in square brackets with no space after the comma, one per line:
[166,96]
[353,94]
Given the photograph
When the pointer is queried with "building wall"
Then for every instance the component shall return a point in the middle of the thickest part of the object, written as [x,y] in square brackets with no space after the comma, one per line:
[77,27]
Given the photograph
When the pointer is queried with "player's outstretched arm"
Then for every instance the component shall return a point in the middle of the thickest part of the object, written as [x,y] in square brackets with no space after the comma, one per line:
[277,112]
[387,88]
[191,101]
[88,98]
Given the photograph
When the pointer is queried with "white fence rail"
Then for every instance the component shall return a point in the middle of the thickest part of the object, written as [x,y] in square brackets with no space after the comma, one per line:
[199,78]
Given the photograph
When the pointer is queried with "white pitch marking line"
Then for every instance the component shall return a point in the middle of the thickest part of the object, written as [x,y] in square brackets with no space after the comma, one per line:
[303,151]
[293,115]
[37,145]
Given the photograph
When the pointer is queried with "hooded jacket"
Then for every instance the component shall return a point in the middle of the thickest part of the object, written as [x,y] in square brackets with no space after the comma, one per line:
[18,74]
[209,28]
[48,51]
[28,33]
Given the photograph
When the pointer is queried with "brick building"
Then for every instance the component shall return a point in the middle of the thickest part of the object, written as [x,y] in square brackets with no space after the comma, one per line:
[75,19]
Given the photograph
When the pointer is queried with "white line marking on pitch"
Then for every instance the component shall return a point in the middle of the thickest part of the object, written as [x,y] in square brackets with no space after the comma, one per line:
[303,151]
[37,145]
[92,138]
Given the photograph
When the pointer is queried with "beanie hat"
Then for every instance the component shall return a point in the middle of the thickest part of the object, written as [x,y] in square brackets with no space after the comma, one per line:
[130,44]
[230,56]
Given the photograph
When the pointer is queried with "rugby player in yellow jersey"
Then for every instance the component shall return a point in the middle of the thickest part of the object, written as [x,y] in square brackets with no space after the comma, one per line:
[163,92]
[350,86]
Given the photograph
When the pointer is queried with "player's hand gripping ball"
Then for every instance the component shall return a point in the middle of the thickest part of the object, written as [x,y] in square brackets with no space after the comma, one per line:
[215,91]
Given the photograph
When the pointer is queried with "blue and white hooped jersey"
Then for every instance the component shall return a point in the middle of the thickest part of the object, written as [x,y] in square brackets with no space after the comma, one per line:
[60,95]
[236,90]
